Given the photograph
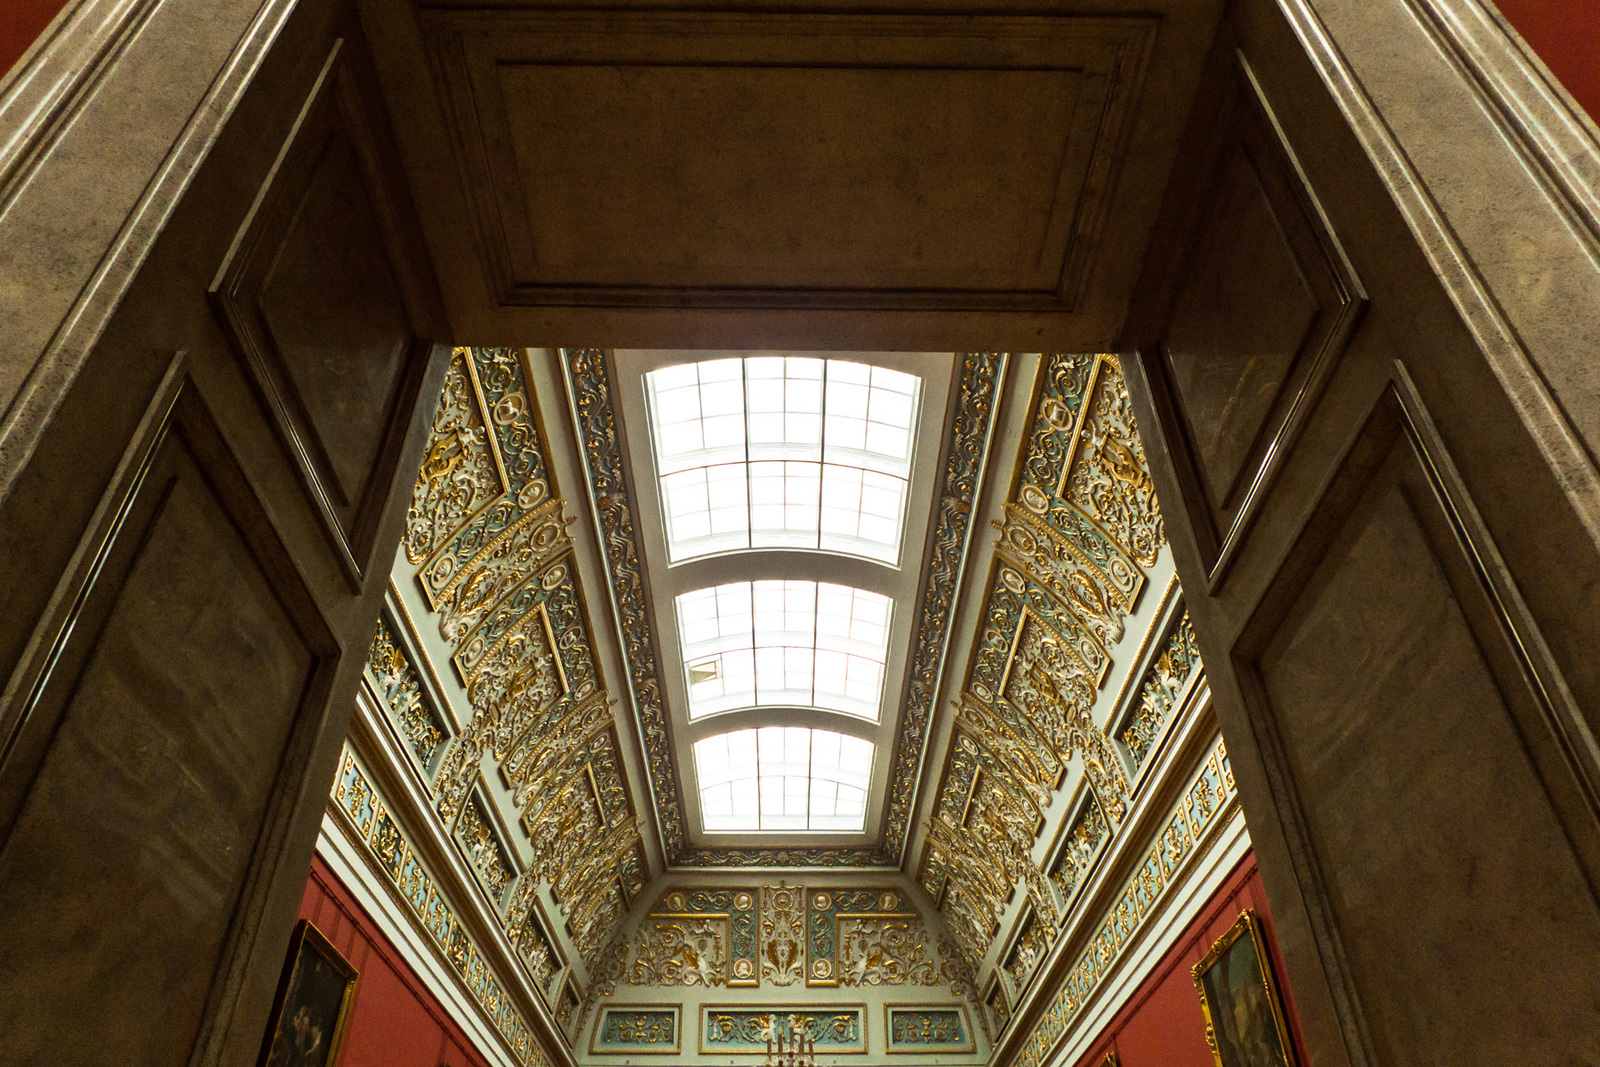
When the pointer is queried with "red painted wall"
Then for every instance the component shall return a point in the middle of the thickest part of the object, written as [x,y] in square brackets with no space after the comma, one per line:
[1566,34]
[395,1022]
[1161,1024]
[21,21]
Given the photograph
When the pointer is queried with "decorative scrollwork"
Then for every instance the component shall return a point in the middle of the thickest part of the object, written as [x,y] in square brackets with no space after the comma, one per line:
[885,952]
[639,1027]
[783,932]
[748,1029]
[1030,949]
[1081,528]
[1109,477]
[483,848]
[973,424]
[460,472]
[681,951]
[590,382]
[397,684]
[1163,684]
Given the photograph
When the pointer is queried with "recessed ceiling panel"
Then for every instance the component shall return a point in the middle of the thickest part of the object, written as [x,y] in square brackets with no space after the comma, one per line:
[736,160]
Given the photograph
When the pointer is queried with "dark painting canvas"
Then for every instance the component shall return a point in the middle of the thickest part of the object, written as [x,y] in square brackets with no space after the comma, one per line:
[308,1020]
[1243,1017]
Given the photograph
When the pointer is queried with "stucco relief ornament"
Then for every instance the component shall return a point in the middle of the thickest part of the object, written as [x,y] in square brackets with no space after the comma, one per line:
[681,952]
[1109,477]
[782,934]
[885,952]
[458,470]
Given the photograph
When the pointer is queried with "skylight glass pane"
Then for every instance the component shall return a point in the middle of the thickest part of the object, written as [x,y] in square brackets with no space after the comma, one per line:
[783,452]
[783,778]
[784,642]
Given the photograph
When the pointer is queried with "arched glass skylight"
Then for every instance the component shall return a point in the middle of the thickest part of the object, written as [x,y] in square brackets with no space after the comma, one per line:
[782,452]
[785,641]
[783,778]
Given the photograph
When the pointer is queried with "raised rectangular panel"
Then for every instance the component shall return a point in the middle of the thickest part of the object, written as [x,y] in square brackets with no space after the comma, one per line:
[1264,306]
[164,739]
[733,160]
[322,294]
[1401,691]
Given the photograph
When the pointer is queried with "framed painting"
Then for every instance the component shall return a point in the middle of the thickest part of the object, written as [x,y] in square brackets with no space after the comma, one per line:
[1239,1000]
[312,1007]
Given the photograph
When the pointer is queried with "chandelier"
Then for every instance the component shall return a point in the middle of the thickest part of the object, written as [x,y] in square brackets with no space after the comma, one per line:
[792,1045]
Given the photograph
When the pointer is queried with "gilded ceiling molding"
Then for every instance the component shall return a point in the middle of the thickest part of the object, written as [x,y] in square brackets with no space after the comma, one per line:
[1081,528]
[1163,684]
[1210,797]
[976,404]
[494,561]
[400,690]
[972,418]
[589,387]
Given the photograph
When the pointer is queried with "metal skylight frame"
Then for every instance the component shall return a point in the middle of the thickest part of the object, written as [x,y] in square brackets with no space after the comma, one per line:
[783,452]
[784,642]
[754,780]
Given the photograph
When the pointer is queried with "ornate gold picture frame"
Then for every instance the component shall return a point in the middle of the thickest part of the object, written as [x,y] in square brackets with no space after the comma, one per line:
[1240,1001]
[312,1008]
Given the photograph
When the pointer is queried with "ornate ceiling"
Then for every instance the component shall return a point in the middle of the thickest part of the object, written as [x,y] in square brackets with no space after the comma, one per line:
[516,735]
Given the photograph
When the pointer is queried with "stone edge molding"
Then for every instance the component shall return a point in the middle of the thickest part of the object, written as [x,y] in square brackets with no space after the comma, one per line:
[971,424]
[1561,152]
[45,106]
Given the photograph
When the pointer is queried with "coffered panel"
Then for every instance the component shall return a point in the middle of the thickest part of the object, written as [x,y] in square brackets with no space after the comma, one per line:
[789,161]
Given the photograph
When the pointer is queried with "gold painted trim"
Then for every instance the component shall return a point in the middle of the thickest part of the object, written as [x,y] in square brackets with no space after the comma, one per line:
[1247,925]
[1138,667]
[1091,383]
[397,605]
[775,1009]
[639,1050]
[889,1046]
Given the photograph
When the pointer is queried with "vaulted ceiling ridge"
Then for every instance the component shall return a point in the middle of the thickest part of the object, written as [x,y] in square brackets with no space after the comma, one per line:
[970,426]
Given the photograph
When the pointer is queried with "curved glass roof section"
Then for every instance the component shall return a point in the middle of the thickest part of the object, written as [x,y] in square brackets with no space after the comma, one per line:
[783,778]
[782,452]
[784,642]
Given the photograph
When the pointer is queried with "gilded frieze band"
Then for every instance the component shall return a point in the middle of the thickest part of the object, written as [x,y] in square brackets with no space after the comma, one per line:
[368,816]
